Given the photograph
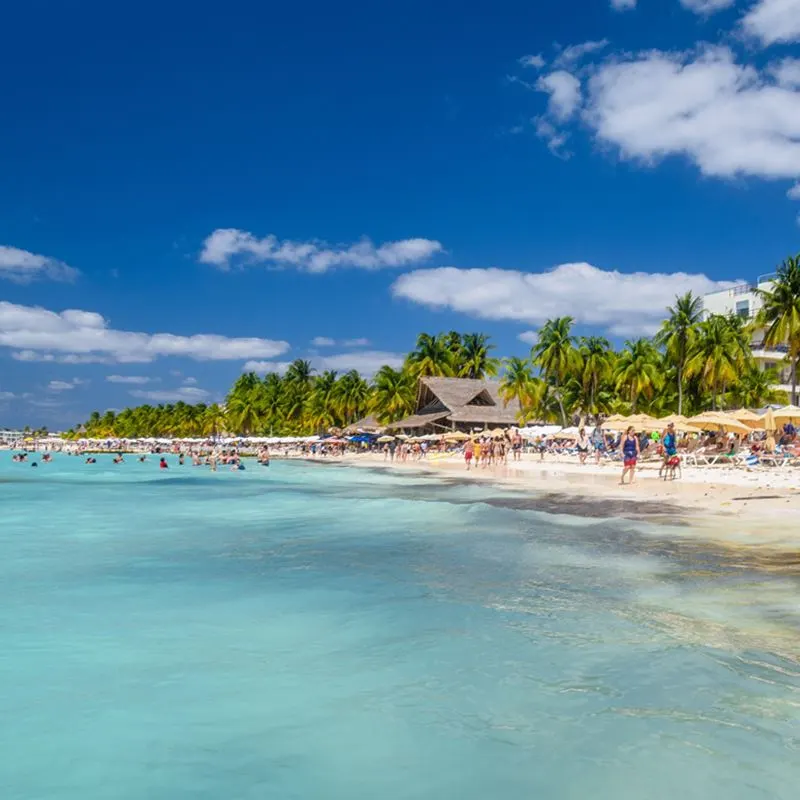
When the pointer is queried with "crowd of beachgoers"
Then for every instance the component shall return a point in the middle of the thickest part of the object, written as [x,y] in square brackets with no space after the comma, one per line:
[747,441]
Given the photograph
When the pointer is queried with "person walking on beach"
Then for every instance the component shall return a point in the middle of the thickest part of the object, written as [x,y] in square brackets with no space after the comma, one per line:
[670,444]
[630,454]
[583,445]
[469,451]
[598,443]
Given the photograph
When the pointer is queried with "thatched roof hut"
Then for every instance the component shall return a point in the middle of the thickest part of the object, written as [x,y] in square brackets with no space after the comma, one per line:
[366,425]
[445,404]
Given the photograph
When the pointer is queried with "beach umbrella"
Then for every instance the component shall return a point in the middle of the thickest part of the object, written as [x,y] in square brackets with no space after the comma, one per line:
[748,417]
[385,439]
[686,427]
[769,420]
[497,433]
[675,418]
[614,419]
[713,420]
[787,414]
[567,433]
[456,436]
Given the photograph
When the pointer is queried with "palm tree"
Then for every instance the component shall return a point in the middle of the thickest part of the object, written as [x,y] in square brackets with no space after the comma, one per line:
[780,314]
[213,420]
[639,372]
[242,403]
[474,358]
[598,365]
[432,357]
[754,388]
[351,396]
[297,384]
[554,353]
[393,394]
[678,335]
[518,383]
[715,358]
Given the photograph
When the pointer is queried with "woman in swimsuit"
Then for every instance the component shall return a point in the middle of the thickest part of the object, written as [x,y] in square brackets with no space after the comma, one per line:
[670,444]
[630,453]
[583,445]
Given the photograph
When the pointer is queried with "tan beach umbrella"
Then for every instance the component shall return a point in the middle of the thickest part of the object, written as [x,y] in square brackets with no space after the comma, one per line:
[713,420]
[787,414]
[685,427]
[676,418]
[497,433]
[748,417]
[456,436]
[385,439]
[567,433]
[769,420]
[614,419]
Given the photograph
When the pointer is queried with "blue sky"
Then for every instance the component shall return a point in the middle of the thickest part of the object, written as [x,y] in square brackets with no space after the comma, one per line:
[200,186]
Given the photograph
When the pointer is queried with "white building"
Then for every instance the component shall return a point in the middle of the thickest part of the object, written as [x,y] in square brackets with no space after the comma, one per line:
[743,301]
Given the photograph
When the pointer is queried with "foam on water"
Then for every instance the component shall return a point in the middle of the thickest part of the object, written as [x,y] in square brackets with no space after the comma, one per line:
[319,632]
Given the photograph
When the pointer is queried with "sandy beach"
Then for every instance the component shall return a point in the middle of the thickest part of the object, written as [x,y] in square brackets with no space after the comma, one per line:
[725,503]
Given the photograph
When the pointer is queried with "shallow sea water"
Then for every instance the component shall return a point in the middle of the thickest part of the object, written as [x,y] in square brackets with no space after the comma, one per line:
[314,631]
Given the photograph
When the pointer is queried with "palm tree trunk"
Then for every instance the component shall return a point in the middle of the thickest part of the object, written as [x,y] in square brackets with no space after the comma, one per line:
[680,389]
[561,406]
[794,380]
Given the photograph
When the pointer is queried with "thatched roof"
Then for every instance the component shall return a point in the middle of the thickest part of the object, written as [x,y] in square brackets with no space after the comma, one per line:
[367,424]
[420,420]
[460,400]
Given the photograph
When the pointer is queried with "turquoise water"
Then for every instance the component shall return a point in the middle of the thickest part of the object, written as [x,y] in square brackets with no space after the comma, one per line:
[311,631]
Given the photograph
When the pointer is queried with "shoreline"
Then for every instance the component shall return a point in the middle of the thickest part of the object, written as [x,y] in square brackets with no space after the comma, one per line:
[739,508]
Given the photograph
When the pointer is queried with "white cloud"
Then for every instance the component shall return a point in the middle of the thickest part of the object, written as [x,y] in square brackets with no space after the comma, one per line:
[366,362]
[190,381]
[727,118]
[565,93]
[6,395]
[556,139]
[536,61]
[623,5]
[81,336]
[23,266]
[323,341]
[63,386]
[356,342]
[571,55]
[529,337]
[787,73]
[68,358]
[706,7]
[226,244]
[794,192]
[134,379]
[262,367]
[189,394]
[773,21]
[621,303]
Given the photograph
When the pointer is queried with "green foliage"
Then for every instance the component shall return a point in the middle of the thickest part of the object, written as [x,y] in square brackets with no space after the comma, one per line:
[691,364]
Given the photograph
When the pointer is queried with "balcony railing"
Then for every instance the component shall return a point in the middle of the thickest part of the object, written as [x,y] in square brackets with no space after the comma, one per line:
[773,348]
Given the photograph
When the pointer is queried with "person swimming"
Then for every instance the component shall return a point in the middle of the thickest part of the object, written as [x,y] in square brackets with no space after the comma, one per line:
[163,463]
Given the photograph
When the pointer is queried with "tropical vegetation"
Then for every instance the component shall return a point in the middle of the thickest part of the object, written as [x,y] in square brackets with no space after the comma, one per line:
[691,364]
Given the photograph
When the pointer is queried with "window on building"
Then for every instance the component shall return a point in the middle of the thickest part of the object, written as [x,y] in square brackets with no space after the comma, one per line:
[743,309]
